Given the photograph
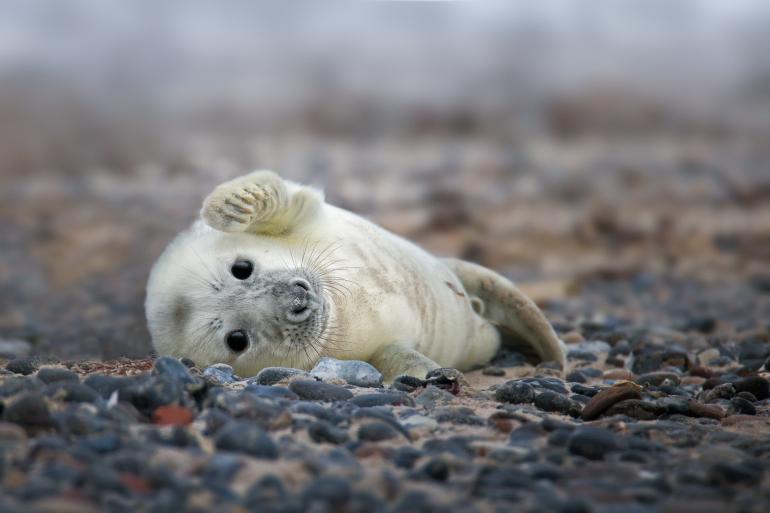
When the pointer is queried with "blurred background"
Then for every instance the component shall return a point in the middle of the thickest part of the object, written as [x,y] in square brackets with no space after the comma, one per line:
[605,153]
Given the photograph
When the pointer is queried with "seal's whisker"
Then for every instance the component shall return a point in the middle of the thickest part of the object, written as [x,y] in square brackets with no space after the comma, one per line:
[208,270]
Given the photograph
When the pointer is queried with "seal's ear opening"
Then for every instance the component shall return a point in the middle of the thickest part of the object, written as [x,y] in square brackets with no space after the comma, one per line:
[518,319]
[477,305]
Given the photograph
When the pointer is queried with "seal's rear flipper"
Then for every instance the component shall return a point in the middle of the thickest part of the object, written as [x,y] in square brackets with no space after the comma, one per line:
[521,323]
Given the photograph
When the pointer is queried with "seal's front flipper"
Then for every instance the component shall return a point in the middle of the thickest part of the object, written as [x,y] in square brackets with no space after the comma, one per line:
[521,323]
[260,202]
[396,360]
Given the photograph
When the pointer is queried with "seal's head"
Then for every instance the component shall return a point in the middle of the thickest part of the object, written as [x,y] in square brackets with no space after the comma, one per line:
[239,299]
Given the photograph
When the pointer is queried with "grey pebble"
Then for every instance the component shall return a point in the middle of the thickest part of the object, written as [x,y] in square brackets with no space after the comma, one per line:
[353,372]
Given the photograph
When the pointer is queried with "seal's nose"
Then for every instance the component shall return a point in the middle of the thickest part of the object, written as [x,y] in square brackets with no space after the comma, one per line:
[299,300]
[237,341]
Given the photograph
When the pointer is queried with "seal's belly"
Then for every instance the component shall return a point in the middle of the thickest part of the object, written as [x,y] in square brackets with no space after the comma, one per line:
[402,295]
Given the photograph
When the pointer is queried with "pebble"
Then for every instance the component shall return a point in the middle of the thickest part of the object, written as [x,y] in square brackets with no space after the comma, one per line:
[657,378]
[432,395]
[53,374]
[14,348]
[517,392]
[755,385]
[593,443]
[407,383]
[23,365]
[220,373]
[636,409]
[376,432]
[173,369]
[382,399]
[354,372]
[742,406]
[324,432]
[29,410]
[553,402]
[318,391]
[272,375]
[600,402]
[243,436]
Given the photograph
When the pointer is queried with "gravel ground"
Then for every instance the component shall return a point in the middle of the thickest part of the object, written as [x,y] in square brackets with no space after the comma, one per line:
[664,406]
[652,264]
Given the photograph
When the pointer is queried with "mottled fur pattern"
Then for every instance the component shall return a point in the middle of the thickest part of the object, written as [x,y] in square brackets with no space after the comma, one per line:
[371,295]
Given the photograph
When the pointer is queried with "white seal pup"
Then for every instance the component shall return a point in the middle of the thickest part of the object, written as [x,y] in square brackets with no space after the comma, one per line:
[271,275]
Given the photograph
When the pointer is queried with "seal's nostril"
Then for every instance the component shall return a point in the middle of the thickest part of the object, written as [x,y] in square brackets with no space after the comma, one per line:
[301,283]
[237,340]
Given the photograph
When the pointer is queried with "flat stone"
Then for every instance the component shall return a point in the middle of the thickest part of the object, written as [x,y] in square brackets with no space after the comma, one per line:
[376,432]
[382,399]
[53,374]
[353,372]
[318,391]
[272,375]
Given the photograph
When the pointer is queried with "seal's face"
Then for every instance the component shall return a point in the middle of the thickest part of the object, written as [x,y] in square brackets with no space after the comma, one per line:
[237,304]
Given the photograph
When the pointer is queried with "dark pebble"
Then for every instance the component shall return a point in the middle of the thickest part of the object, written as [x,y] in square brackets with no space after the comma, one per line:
[553,402]
[326,493]
[53,374]
[324,432]
[526,434]
[319,391]
[747,395]
[586,356]
[24,366]
[30,410]
[637,409]
[405,457]
[105,385]
[587,391]
[273,392]
[458,415]
[376,432]
[407,383]
[243,436]
[576,377]
[757,386]
[272,375]
[71,391]
[594,443]
[268,494]
[434,469]
[17,384]
[748,472]
[657,378]
[517,392]
[174,369]
[382,399]
[741,405]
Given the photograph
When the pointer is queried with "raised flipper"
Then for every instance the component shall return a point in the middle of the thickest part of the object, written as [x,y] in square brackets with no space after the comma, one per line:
[260,202]
[521,323]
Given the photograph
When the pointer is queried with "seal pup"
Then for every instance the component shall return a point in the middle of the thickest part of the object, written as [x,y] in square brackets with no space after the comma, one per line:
[271,275]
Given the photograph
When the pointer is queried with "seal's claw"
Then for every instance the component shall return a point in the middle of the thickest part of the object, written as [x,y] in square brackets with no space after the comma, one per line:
[260,202]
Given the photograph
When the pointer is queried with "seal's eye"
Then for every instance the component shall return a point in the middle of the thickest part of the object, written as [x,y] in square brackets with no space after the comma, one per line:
[237,340]
[242,269]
